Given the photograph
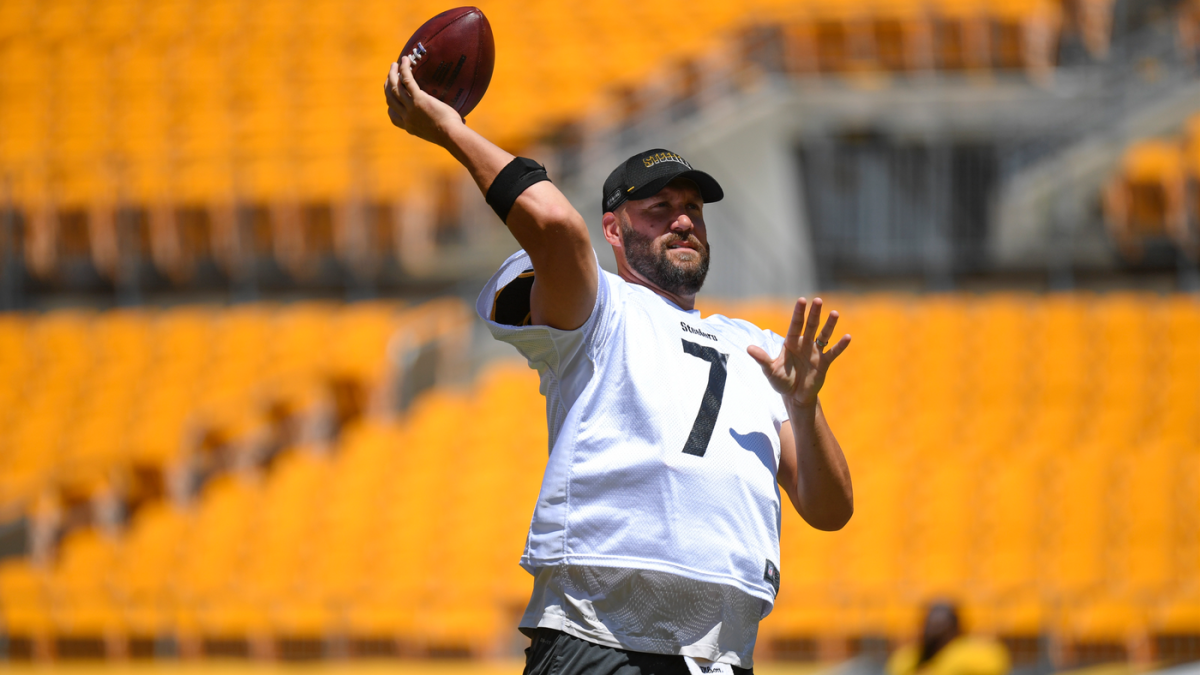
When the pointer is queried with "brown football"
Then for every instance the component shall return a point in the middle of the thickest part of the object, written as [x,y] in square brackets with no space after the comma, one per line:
[453,55]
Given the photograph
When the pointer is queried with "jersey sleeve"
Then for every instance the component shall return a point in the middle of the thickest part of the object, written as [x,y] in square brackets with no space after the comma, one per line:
[504,305]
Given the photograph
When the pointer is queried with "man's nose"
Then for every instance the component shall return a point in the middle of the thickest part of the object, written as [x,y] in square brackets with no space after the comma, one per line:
[683,224]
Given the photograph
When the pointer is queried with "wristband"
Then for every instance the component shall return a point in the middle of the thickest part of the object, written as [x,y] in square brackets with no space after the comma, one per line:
[512,180]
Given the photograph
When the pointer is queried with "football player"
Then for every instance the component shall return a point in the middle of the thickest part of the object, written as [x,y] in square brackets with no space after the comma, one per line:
[654,543]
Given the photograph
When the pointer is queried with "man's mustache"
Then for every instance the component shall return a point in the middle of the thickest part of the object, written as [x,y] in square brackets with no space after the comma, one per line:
[692,240]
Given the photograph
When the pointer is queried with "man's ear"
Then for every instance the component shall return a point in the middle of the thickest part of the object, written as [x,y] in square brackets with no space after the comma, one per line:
[612,229]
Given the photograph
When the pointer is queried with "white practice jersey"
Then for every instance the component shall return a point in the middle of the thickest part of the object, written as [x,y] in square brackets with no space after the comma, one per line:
[664,436]
[646,611]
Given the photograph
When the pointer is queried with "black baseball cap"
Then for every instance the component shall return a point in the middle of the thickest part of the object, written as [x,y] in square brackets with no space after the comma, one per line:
[644,174]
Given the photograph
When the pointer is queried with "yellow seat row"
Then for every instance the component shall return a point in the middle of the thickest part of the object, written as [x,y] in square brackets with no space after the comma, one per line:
[91,397]
[281,100]
[349,543]
[1033,457]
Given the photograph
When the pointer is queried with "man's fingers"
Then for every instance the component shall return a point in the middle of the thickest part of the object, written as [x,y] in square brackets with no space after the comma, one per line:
[837,349]
[827,331]
[796,327]
[400,93]
[814,320]
[396,115]
[407,79]
[394,101]
[392,88]
[759,354]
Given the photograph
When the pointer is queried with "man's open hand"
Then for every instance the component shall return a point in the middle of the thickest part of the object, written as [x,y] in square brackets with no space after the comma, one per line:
[415,111]
[799,371]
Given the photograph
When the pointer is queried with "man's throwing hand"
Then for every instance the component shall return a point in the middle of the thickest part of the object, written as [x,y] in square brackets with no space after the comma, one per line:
[415,111]
[799,371]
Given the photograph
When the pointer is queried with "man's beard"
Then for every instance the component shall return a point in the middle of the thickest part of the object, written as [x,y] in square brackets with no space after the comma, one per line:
[654,264]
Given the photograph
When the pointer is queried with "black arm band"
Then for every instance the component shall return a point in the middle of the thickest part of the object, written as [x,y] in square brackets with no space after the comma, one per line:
[511,182]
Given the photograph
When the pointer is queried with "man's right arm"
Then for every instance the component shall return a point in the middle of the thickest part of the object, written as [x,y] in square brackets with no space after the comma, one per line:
[543,221]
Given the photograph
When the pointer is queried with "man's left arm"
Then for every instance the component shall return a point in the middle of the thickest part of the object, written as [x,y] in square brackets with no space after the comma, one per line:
[812,468]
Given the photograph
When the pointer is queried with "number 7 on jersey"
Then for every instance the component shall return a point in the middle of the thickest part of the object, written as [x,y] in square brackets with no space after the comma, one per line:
[710,405]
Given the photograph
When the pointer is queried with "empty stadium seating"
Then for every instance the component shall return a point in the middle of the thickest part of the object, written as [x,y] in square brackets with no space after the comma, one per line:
[907,36]
[1033,457]
[280,112]
[97,399]
[325,544]
[1028,456]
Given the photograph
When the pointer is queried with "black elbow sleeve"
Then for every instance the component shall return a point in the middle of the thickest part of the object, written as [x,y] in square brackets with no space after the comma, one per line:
[512,180]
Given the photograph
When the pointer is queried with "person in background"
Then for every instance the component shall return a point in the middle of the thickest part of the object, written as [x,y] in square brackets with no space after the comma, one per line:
[944,650]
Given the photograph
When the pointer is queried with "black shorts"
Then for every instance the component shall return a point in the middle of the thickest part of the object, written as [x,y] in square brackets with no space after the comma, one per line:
[556,653]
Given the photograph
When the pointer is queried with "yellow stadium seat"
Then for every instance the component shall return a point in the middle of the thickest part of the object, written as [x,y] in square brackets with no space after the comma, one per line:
[221,529]
[1146,197]
[145,576]
[942,530]
[1149,502]
[1075,565]
[961,40]
[1025,35]
[1009,539]
[26,607]
[875,539]
[83,602]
